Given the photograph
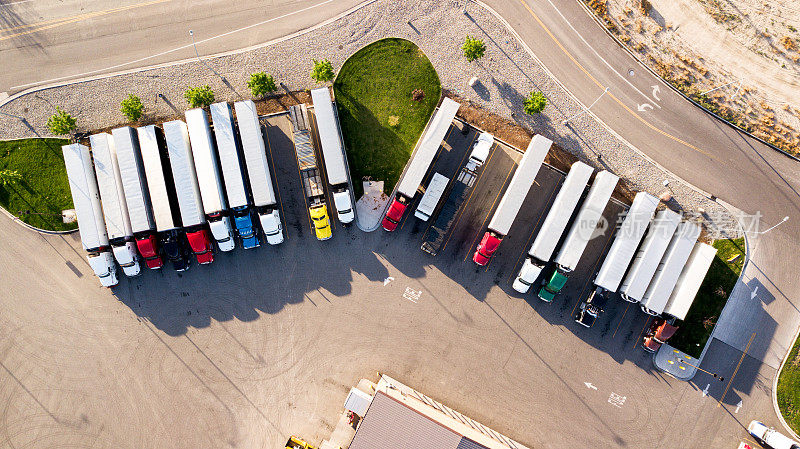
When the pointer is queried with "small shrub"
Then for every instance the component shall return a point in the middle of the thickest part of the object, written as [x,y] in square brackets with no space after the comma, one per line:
[132,107]
[61,123]
[788,43]
[8,177]
[322,71]
[535,103]
[261,84]
[473,48]
[199,97]
[417,95]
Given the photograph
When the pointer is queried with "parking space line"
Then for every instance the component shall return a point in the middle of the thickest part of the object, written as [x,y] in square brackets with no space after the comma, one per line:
[460,213]
[277,188]
[483,223]
[530,237]
[719,403]
[466,154]
[620,320]
[594,267]
[646,323]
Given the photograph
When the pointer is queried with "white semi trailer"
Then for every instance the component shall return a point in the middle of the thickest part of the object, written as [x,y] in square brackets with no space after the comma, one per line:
[89,212]
[333,154]
[554,225]
[690,280]
[669,269]
[255,158]
[115,208]
[582,230]
[649,255]
[209,178]
[512,199]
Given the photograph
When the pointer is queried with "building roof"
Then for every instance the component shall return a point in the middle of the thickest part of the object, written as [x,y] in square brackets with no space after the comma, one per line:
[390,424]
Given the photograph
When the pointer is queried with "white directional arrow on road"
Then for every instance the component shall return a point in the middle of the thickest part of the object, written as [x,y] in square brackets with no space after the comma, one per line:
[656,89]
[644,107]
[387,280]
[589,385]
[705,391]
[738,406]
[754,293]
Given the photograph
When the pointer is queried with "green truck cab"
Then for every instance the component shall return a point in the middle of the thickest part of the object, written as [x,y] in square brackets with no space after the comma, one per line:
[553,284]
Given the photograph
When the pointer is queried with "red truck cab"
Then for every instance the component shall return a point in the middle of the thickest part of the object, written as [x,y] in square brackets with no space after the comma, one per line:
[201,246]
[394,214]
[148,248]
[486,248]
[660,331]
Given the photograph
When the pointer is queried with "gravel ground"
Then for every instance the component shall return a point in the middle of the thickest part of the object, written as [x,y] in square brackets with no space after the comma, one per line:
[507,74]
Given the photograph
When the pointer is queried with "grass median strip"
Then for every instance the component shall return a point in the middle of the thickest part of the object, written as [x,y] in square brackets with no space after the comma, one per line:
[717,286]
[380,120]
[41,191]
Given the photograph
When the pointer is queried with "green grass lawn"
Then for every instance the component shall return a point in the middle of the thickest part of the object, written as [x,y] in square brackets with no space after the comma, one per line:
[380,122]
[789,389]
[43,188]
[713,294]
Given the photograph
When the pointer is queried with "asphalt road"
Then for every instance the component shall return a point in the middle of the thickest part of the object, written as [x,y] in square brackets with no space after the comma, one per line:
[46,41]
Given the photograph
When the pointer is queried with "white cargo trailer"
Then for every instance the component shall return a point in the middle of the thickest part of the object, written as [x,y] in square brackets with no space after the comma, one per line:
[431,197]
[333,153]
[255,158]
[669,269]
[89,212]
[209,177]
[690,280]
[181,158]
[115,209]
[554,225]
[649,255]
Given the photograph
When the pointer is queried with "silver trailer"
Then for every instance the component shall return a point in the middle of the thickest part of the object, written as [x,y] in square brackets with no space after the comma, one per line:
[115,208]
[89,212]
[333,153]
[163,212]
[428,146]
[209,177]
[669,269]
[586,221]
[554,225]
[690,280]
[431,197]
[626,241]
[255,157]
[228,149]
[649,255]
[182,161]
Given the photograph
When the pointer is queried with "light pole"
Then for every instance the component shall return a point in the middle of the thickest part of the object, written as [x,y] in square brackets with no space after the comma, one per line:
[785,219]
[587,109]
[194,44]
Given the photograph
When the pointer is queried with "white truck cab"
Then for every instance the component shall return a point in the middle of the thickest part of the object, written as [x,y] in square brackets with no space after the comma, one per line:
[271,225]
[344,207]
[102,264]
[770,437]
[527,276]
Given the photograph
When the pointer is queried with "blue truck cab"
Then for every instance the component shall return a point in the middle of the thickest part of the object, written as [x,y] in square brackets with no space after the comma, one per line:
[243,220]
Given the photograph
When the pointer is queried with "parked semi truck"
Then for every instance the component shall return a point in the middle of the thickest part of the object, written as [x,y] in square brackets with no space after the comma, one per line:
[134,185]
[233,174]
[690,280]
[512,199]
[112,199]
[669,269]
[330,139]
[421,160]
[255,158]
[554,226]
[430,199]
[582,230]
[459,192]
[161,189]
[91,224]
[619,257]
[649,255]
[309,172]
[187,190]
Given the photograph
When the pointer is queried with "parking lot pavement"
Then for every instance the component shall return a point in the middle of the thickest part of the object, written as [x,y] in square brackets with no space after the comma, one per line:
[265,343]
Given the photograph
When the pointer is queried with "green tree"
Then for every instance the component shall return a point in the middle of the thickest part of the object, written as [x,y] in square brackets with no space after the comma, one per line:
[535,103]
[132,107]
[61,123]
[8,177]
[322,71]
[473,48]
[261,84]
[199,97]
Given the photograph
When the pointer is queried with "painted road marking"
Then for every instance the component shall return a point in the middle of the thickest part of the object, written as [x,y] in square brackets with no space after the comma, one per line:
[705,390]
[738,406]
[589,385]
[616,400]
[736,370]
[412,295]
[387,280]
[644,107]
[656,89]
[754,293]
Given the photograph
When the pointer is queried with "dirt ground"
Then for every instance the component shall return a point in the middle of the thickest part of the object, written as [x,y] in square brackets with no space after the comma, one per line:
[749,51]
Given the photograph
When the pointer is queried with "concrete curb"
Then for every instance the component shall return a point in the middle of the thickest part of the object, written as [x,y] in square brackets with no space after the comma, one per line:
[15,219]
[673,88]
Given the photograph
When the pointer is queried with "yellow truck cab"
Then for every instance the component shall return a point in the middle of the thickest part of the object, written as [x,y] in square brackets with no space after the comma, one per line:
[322,226]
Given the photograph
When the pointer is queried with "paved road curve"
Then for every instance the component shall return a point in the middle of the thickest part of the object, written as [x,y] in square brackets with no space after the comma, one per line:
[44,41]
[710,155]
